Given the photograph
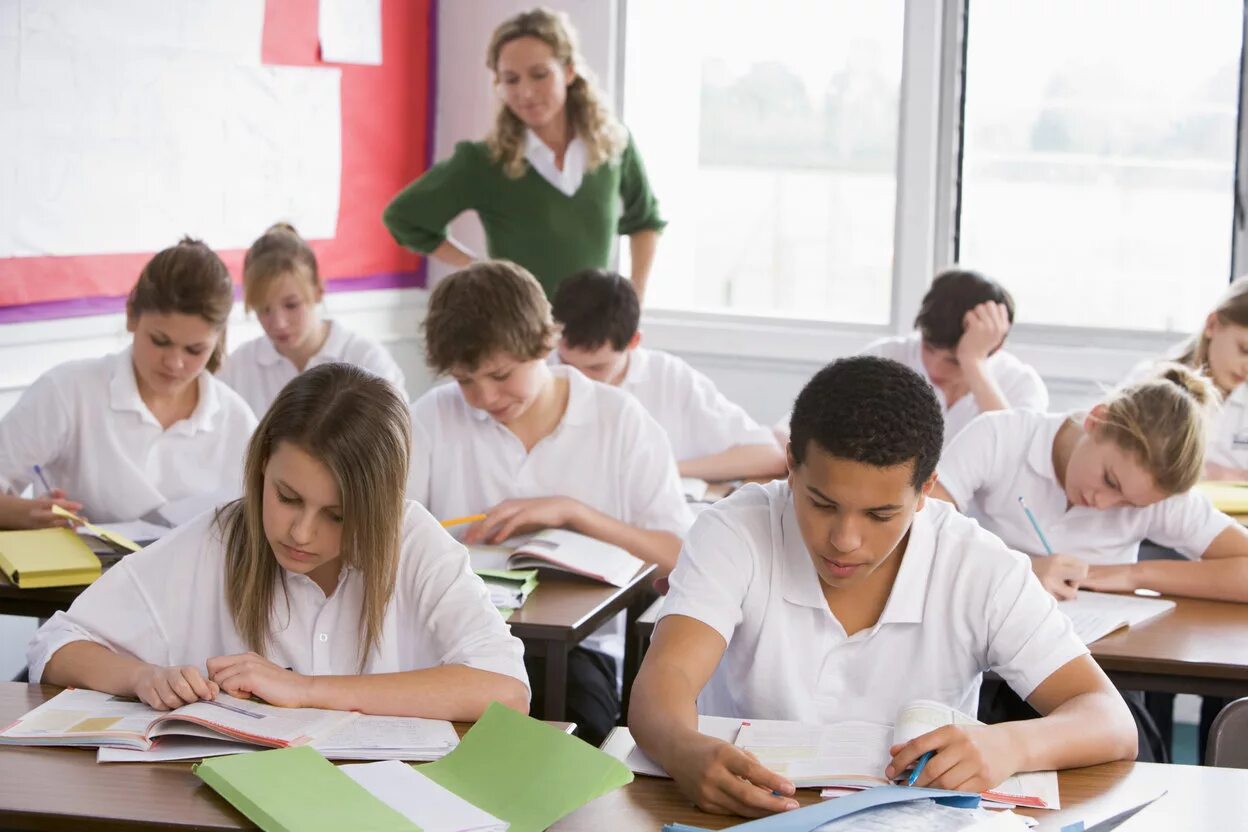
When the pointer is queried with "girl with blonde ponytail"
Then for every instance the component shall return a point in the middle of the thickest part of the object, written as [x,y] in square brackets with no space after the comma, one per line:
[557,177]
[282,286]
[1097,484]
[321,587]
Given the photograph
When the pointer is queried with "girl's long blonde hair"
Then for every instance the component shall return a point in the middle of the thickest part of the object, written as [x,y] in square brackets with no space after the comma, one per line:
[1163,422]
[358,427]
[588,115]
[1231,309]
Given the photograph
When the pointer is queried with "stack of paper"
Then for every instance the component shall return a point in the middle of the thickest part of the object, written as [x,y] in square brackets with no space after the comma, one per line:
[509,588]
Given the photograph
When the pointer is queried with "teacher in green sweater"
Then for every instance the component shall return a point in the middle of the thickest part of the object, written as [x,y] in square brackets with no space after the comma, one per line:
[554,182]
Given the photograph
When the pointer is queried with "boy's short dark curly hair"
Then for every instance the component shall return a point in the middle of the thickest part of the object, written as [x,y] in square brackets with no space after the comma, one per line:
[595,307]
[953,293]
[871,410]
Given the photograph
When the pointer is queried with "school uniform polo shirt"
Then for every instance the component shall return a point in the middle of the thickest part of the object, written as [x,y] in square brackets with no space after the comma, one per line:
[961,604]
[698,419]
[166,605]
[258,372]
[86,425]
[1019,383]
[1005,455]
[606,452]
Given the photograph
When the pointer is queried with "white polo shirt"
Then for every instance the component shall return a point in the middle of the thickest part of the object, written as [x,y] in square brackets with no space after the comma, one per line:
[1227,442]
[86,425]
[699,420]
[259,372]
[1020,384]
[606,452]
[1009,454]
[961,604]
[166,605]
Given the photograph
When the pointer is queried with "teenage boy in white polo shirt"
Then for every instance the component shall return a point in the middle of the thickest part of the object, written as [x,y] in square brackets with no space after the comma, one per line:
[844,593]
[712,438]
[534,446]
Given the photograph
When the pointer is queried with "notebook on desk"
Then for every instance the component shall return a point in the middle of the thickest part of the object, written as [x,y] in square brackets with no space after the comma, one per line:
[562,550]
[1097,614]
[47,558]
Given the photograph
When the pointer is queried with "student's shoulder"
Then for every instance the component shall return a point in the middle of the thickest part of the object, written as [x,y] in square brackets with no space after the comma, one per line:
[753,512]
[234,408]
[1014,424]
[472,156]
[441,402]
[246,351]
[81,374]
[195,545]
[423,543]
[965,547]
[1007,363]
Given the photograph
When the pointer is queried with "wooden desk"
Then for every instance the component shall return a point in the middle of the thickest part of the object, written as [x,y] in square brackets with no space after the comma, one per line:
[563,610]
[35,603]
[66,789]
[1198,647]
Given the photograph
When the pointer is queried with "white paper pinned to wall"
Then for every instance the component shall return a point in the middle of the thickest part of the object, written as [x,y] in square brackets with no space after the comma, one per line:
[127,149]
[350,31]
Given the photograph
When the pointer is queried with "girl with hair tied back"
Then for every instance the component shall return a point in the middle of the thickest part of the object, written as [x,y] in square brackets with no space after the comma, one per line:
[321,587]
[125,436]
[283,286]
[555,181]
[1097,484]
[1220,350]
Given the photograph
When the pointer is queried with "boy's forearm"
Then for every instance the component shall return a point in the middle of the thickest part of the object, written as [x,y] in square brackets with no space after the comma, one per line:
[988,396]
[737,462]
[1087,729]
[1220,579]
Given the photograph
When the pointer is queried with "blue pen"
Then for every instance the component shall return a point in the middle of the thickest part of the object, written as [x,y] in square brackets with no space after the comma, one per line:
[39,473]
[918,769]
[1048,550]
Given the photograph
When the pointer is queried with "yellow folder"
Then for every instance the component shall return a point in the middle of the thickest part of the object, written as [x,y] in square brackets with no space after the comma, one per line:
[1229,497]
[47,557]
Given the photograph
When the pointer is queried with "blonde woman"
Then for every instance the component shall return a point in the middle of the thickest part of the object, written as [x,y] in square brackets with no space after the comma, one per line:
[1220,350]
[282,285]
[321,587]
[1098,484]
[557,179]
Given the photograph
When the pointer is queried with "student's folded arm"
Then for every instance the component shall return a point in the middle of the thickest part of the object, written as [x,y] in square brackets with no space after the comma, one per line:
[454,692]
[417,217]
[737,462]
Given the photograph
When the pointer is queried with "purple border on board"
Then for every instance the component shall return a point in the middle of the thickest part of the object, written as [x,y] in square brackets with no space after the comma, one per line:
[431,104]
[81,307]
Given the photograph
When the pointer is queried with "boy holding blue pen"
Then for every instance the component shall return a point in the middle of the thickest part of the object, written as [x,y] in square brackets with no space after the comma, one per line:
[844,593]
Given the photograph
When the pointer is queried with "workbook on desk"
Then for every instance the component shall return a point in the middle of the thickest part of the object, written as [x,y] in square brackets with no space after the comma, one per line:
[562,550]
[47,557]
[841,755]
[92,718]
[1097,614]
[1227,497]
[509,588]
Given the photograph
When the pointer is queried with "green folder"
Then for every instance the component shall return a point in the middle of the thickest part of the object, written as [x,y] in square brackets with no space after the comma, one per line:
[296,789]
[524,771]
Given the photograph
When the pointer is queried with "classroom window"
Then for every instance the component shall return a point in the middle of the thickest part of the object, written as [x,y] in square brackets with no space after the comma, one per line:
[770,135]
[1099,144]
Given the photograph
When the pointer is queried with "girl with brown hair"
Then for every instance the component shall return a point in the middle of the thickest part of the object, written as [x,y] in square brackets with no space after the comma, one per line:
[282,285]
[145,432]
[321,587]
[557,179]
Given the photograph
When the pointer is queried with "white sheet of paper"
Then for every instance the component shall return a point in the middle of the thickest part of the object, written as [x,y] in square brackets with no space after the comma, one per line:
[620,744]
[1097,614]
[165,109]
[350,31]
[420,800]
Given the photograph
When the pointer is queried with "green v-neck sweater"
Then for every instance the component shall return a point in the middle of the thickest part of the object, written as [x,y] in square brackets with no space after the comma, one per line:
[528,220]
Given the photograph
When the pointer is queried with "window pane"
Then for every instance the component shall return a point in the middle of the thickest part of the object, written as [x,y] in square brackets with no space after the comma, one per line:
[769,132]
[1099,156]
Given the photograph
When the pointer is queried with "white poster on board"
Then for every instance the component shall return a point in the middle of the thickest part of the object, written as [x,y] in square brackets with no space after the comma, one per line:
[125,150]
[350,31]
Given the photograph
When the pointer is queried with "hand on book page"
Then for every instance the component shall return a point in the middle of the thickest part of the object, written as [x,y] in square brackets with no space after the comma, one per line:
[512,517]
[965,757]
[250,674]
[724,779]
[166,688]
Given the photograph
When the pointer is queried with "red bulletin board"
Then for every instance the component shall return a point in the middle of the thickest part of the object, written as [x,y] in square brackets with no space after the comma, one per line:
[386,139]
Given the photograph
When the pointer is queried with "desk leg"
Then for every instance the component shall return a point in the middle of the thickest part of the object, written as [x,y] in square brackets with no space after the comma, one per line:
[556,680]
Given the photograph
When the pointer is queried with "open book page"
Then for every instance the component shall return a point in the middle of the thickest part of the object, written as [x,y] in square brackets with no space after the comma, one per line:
[1035,789]
[84,717]
[430,806]
[577,553]
[1097,614]
[253,721]
[844,753]
[620,744]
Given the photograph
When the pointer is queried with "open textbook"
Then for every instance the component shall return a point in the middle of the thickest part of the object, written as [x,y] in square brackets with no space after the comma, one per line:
[563,550]
[1097,614]
[842,755]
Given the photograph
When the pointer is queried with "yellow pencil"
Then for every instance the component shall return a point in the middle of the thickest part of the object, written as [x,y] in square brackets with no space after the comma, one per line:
[459,521]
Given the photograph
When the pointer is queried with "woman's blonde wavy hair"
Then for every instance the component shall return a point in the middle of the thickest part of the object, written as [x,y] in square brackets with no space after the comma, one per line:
[1163,422]
[588,115]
